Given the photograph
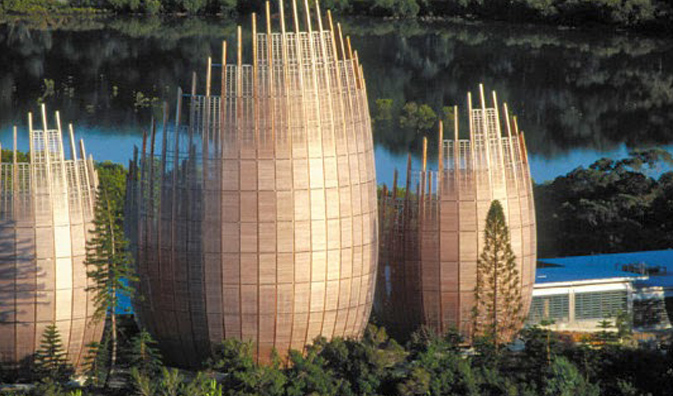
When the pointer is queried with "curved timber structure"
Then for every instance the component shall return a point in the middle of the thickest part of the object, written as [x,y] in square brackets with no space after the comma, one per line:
[432,227]
[256,216]
[46,212]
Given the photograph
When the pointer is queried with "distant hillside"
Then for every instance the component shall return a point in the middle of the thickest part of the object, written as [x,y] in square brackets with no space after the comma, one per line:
[651,15]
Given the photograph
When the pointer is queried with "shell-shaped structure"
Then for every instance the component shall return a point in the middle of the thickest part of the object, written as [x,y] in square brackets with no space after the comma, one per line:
[257,216]
[432,229]
[46,212]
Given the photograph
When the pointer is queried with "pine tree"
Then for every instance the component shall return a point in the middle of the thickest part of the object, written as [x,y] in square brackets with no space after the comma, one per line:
[95,362]
[143,354]
[109,261]
[498,307]
[51,362]
[605,336]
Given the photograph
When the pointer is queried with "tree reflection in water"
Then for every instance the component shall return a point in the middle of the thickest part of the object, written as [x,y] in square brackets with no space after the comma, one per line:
[572,89]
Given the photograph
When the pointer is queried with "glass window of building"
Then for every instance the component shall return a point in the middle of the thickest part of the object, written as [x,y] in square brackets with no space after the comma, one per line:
[555,307]
[599,305]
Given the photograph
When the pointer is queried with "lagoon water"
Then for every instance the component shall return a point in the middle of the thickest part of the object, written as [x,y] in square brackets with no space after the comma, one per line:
[579,94]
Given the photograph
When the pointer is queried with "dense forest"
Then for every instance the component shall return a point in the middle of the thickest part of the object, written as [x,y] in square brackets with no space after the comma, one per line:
[612,206]
[643,14]
[606,364]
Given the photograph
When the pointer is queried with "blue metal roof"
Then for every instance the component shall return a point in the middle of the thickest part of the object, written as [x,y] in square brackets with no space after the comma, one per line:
[605,266]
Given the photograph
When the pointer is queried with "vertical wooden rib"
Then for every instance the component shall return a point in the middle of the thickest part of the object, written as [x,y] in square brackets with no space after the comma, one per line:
[351,111]
[328,84]
[78,183]
[470,120]
[425,164]
[14,215]
[307,14]
[472,174]
[238,121]
[319,135]
[255,86]
[255,115]
[160,203]
[487,139]
[209,68]
[319,15]
[174,212]
[87,176]
[288,135]
[282,20]
[219,155]
[440,148]
[33,192]
[456,145]
[331,30]
[141,194]
[15,171]
[239,81]
[205,126]
[152,199]
[344,139]
[300,61]
[438,219]
[272,87]
[50,204]
[295,16]
[457,174]
[511,146]
[271,108]
[64,197]
[223,98]
[407,192]
[341,42]
[499,136]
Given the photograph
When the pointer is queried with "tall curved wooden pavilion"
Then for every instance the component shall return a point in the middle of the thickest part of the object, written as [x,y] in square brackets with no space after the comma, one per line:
[46,212]
[256,217]
[432,227]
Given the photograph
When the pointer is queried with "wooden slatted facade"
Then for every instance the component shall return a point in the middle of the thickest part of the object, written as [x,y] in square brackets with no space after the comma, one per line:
[255,212]
[432,227]
[46,212]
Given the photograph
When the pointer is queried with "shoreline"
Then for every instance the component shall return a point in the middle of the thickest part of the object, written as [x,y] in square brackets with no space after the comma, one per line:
[663,23]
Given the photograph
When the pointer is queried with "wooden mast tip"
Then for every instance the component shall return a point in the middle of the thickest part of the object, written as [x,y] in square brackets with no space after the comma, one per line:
[319,15]
[307,12]
[425,154]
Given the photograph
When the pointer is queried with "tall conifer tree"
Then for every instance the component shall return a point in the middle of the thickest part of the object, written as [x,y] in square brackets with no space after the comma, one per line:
[498,307]
[109,261]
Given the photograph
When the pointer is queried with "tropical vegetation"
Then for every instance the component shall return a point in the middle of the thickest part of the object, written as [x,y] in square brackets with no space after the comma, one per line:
[378,365]
[108,260]
[612,206]
[647,14]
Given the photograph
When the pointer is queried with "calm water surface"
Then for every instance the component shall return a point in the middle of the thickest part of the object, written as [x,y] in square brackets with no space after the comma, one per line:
[579,95]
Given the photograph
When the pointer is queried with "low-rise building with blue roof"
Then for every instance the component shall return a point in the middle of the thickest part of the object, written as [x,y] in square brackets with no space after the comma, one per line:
[577,293]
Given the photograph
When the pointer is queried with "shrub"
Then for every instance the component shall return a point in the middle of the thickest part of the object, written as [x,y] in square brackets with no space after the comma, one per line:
[396,8]
[193,6]
[152,7]
[50,358]
[227,7]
